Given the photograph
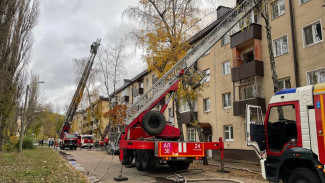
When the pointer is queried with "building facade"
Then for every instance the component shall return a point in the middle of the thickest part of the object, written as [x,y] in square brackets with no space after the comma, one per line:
[240,71]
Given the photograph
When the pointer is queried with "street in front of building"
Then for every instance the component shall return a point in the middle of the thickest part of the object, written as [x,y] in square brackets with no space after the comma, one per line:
[96,164]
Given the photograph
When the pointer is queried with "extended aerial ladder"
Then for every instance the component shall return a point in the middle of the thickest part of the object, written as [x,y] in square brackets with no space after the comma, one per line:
[168,83]
[79,91]
[139,138]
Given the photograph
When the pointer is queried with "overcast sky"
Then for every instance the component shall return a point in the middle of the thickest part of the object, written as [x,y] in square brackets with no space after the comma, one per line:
[65,31]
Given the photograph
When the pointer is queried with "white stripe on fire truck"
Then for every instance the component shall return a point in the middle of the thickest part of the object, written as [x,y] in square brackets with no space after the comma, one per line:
[184,147]
[179,147]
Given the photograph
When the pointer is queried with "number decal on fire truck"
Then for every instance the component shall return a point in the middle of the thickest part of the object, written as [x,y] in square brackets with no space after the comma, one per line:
[197,146]
[167,148]
[180,149]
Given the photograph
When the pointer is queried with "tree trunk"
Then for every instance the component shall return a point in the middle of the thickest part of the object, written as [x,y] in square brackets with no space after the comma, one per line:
[178,116]
[197,126]
[266,18]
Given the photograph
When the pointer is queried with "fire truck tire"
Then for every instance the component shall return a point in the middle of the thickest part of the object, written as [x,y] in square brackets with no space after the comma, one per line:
[127,157]
[303,175]
[153,122]
[138,160]
[148,160]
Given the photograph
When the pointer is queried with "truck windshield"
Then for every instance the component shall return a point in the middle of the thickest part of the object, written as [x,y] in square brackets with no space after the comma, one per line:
[87,137]
[70,136]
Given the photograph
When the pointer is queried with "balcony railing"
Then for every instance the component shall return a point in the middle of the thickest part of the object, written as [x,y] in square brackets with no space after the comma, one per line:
[254,31]
[186,117]
[240,106]
[252,68]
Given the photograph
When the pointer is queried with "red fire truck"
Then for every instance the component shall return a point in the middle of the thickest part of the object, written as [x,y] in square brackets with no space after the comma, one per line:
[147,138]
[290,140]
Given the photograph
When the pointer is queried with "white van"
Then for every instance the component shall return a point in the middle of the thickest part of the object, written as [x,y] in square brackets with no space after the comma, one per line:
[87,141]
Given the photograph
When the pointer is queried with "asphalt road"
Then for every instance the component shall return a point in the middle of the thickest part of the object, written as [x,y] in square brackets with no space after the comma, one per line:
[95,164]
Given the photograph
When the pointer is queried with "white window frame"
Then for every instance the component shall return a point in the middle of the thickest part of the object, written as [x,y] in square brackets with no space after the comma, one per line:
[302,3]
[313,32]
[281,45]
[206,106]
[207,71]
[191,134]
[224,99]
[313,71]
[279,8]
[227,129]
[244,53]
[284,82]
[170,112]
[224,65]
[225,39]
[147,82]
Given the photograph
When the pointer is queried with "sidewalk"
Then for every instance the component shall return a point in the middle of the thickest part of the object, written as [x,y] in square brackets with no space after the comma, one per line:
[247,166]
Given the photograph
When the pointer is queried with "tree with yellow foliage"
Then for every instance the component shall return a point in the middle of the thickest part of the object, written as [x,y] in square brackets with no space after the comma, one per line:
[166,25]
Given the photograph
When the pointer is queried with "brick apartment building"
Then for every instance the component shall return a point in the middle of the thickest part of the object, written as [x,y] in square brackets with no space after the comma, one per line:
[240,71]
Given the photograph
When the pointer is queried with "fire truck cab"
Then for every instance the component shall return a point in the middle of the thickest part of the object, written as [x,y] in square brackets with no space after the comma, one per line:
[289,140]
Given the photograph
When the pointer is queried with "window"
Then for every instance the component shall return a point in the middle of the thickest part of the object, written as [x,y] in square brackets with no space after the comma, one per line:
[248,56]
[226,98]
[301,2]
[141,84]
[229,133]
[191,135]
[280,46]
[226,68]
[252,17]
[206,105]
[154,79]
[284,83]
[312,33]
[316,77]
[278,8]
[207,72]
[170,112]
[281,127]
[225,39]
[147,82]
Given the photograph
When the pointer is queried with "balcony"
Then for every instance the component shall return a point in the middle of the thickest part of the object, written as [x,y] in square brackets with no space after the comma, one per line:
[240,106]
[124,99]
[138,91]
[252,68]
[186,117]
[254,31]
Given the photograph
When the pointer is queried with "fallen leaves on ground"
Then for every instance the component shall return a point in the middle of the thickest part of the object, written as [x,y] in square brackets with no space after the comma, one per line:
[35,166]
[232,173]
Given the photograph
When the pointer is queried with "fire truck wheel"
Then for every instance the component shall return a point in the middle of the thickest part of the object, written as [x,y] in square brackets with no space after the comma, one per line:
[127,157]
[303,175]
[148,160]
[153,122]
[138,158]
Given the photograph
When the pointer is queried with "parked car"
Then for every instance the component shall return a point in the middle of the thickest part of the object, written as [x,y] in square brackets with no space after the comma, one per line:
[87,141]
